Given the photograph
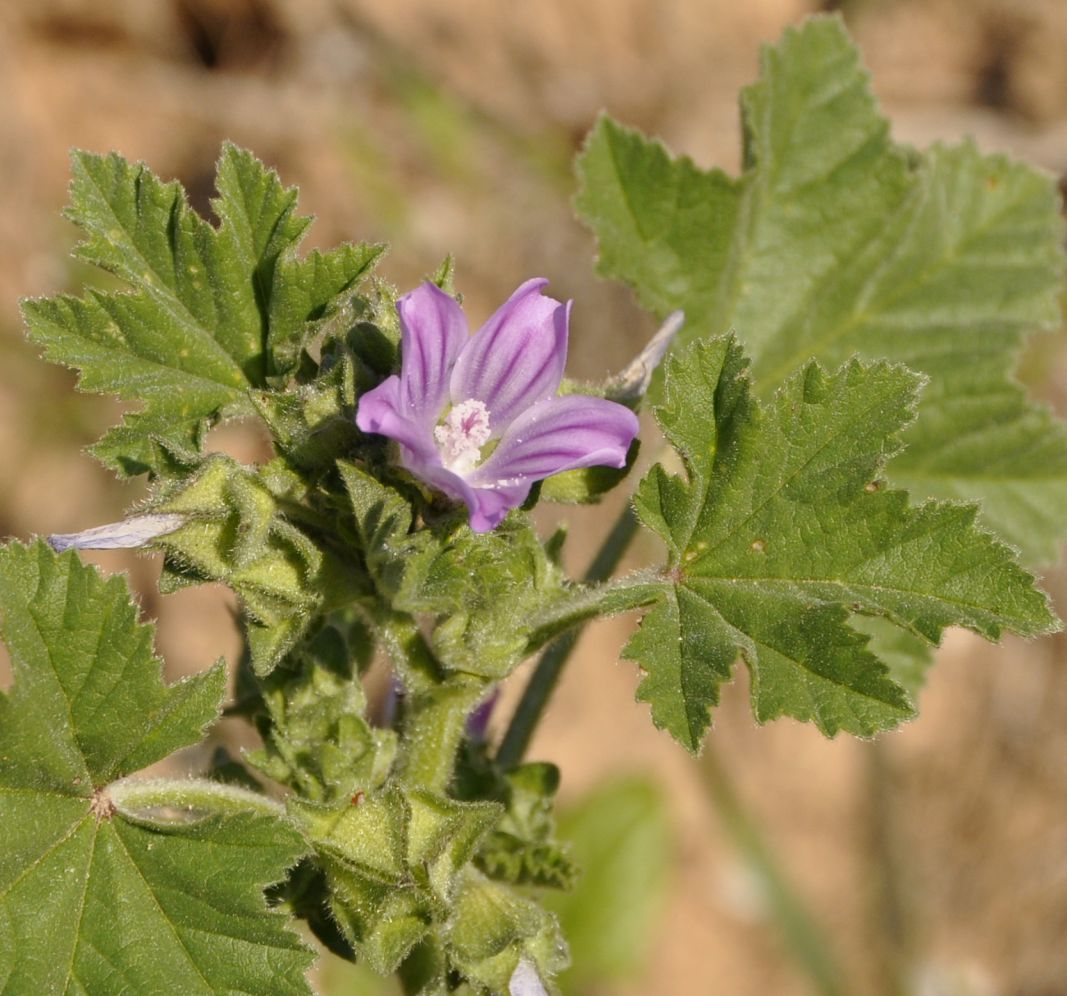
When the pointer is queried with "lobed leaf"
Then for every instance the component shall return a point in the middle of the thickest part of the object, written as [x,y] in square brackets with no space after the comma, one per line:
[309,293]
[783,529]
[210,313]
[832,242]
[93,900]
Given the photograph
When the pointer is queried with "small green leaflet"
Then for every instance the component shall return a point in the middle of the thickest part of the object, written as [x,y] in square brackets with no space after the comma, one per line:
[835,242]
[211,312]
[521,849]
[783,529]
[91,900]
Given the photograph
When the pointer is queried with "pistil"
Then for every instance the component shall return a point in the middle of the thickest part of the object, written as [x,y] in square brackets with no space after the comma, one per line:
[462,435]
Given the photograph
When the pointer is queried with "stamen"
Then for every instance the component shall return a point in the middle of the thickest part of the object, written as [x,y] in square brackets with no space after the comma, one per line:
[461,438]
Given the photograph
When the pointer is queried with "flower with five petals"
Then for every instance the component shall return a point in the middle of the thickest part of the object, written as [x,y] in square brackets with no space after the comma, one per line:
[477,417]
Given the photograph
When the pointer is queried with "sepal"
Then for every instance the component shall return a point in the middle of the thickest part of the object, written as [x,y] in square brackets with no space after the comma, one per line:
[235,533]
[316,738]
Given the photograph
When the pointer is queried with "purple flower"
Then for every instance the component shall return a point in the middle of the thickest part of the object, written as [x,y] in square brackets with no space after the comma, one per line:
[476,416]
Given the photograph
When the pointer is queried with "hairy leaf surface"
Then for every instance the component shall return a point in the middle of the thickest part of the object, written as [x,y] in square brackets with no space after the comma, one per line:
[210,313]
[783,529]
[236,533]
[835,242]
[487,593]
[93,901]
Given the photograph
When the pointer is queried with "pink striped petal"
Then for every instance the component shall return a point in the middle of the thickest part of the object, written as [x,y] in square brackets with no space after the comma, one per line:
[487,506]
[381,411]
[516,358]
[433,331]
[557,435]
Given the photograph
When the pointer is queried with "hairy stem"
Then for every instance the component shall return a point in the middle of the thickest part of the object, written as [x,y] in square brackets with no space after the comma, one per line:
[634,591]
[433,729]
[190,797]
[436,704]
[412,657]
[537,693]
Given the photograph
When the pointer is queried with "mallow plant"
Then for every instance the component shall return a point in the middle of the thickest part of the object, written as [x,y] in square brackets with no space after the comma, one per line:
[841,466]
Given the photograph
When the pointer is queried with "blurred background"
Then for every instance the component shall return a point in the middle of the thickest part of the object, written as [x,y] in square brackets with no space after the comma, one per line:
[933,862]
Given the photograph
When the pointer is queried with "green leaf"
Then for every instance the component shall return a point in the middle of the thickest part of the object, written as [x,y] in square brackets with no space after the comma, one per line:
[93,900]
[488,594]
[205,304]
[495,928]
[316,737]
[907,656]
[383,519]
[522,849]
[392,858]
[835,242]
[621,840]
[783,530]
[310,294]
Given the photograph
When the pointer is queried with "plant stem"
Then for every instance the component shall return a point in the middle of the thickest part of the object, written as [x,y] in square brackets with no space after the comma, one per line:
[436,705]
[409,652]
[804,937]
[634,591]
[433,729]
[543,681]
[140,796]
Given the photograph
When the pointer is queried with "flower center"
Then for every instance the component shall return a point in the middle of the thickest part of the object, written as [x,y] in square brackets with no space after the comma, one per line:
[462,435]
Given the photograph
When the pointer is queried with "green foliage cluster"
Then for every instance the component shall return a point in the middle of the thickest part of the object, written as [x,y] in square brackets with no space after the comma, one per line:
[814,530]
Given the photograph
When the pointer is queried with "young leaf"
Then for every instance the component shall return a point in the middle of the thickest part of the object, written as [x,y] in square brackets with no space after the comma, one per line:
[394,860]
[522,848]
[91,900]
[382,518]
[309,293]
[487,592]
[316,738]
[206,306]
[496,929]
[834,242]
[783,529]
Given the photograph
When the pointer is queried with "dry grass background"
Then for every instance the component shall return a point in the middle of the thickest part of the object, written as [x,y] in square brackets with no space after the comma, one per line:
[937,860]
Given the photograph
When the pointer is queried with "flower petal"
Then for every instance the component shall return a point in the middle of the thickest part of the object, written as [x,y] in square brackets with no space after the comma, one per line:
[516,358]
[433,330]
[557,435]
[525,981]
[492,504]
[380,411]
[139,530]
[487,506]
